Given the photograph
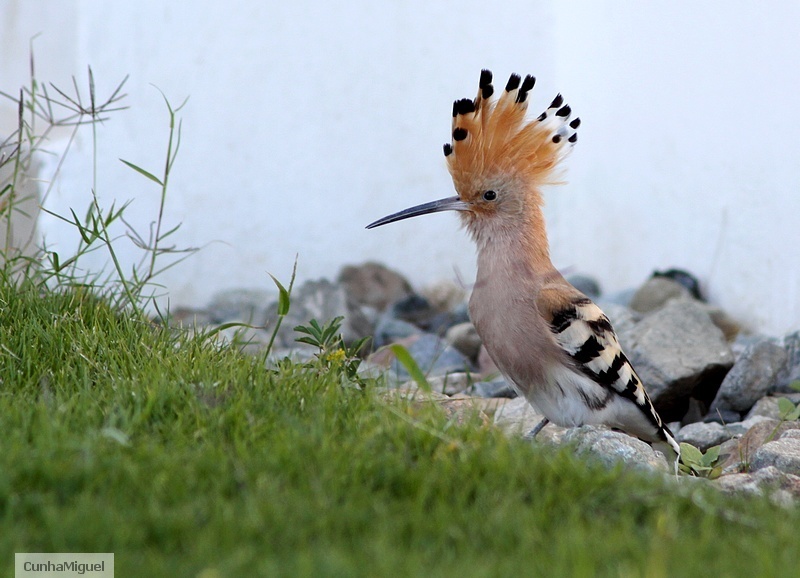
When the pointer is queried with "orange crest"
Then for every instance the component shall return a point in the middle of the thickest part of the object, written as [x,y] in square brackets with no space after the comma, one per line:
[492,139]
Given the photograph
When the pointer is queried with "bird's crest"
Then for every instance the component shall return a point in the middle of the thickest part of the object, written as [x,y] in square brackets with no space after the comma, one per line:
[491,136]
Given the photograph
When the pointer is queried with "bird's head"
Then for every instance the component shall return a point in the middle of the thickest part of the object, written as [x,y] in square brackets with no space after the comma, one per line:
[498,159]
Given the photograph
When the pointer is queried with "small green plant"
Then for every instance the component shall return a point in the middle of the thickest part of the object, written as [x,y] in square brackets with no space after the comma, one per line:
[787,410]
[332,352]
[696,463]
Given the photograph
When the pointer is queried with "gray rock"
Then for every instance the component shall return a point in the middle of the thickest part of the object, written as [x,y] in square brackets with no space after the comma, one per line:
[413,308]
[434,356]
[768,406]
[613,447]
[760,431]
[791,371]
[390,330]
[320,300]
[792,433]
[496,388]
[518,417]
[783,453]
[586,285]
[703,435]
[679,353]
[751,377]
[373,284]
[243,305]
[444,295]
[768,479]
[739,428]
[684,278]
[656,292]
[465,338]
[722,416]
[450,384]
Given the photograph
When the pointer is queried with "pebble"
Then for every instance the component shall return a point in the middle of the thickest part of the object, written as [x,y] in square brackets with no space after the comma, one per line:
[790,375]
[373,284]
[768,406]
[450,384]
[753,375]
[703,435]
[783,487]
[656,292]
[496,388]
[783,453]
[465,338]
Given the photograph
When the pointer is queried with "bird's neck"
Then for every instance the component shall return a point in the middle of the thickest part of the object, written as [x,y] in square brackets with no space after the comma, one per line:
[517,248]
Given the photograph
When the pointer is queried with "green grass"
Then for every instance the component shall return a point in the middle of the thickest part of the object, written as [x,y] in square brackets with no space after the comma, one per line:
[185,459]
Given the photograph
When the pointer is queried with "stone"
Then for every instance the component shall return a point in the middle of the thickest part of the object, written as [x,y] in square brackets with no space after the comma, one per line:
[586,285]
[389,330]
[767,479]
[242,305]
[465,338]
[612,447]
[722,416]
[434,356]
[414,309]
[517,417]
[790,374]
[684,278]
[763,431]
[450,384]
[656,292]
[440,323]
[783,453]
[678,353]
[373,284]
[496,388]
[323,301]
[739,428]
[703,435]
[729,326]
[768,406]
[751,377]
[444,295]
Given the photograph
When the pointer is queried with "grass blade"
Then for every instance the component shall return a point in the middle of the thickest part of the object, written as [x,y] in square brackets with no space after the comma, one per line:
[405,359]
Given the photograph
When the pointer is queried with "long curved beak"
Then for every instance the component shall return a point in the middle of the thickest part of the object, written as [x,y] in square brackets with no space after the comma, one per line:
[448,204]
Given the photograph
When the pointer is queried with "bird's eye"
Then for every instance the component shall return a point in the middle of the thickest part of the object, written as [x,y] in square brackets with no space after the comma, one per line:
[489,196]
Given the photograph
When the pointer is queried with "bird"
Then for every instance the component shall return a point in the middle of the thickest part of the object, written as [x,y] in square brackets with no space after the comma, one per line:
[553,344]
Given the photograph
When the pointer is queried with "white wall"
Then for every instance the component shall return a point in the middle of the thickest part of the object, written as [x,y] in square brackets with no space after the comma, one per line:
[307,120]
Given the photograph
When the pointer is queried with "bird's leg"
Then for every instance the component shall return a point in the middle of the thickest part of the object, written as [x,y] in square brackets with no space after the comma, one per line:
[532,434]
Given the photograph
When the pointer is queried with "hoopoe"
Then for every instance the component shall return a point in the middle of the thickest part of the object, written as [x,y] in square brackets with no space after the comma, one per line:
[550,341]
